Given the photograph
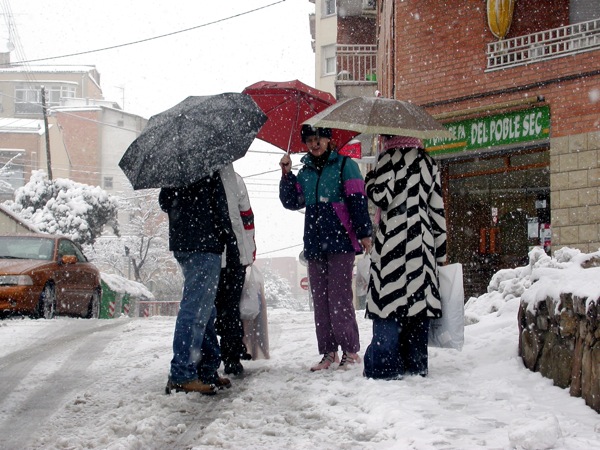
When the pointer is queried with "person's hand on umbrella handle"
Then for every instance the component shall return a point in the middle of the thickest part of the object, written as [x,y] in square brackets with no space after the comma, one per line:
[367,243]
[286,164]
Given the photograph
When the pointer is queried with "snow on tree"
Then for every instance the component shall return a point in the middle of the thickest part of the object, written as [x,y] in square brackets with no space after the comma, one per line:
[141,252]
[145,237]
[65,207]
[278,293]
[5,173]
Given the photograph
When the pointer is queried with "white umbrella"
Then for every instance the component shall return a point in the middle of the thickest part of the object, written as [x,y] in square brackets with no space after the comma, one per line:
[377,115]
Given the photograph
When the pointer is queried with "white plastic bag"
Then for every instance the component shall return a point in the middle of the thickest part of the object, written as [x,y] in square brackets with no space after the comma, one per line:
[252,293]
[363,272]
[449,330]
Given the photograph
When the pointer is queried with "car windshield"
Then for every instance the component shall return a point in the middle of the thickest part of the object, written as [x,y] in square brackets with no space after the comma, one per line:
[16,247]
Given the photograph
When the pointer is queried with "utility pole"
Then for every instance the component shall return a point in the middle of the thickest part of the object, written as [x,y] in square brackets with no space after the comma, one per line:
[45,113]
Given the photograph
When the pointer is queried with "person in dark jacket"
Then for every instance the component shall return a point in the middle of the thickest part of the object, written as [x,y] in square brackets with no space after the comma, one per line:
[198,225]
[337,226]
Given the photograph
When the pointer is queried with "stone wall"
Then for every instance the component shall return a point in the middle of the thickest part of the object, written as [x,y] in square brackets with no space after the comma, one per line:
[561,340]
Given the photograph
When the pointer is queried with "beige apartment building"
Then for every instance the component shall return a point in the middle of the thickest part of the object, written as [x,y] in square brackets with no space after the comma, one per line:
[84,134]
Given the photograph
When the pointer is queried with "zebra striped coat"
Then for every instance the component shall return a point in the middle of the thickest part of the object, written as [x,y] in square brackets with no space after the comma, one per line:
[411,239]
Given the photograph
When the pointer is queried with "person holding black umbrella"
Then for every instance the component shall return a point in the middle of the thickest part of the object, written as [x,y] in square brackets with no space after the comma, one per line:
[199,226]
[181,151]
[337,226]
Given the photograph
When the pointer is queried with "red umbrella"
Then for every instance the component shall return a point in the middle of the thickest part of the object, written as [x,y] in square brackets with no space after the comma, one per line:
[287,104]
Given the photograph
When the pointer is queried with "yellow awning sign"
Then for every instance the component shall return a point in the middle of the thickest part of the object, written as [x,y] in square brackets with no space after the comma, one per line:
[500,14]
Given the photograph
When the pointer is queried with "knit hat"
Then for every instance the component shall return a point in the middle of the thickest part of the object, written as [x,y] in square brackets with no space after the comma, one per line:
[308,130]
[401,142]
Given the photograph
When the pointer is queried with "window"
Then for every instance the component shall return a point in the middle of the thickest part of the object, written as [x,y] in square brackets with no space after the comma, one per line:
[583,10]
[28,94]
[55,93]
[328,7]
[108,182]
[369,4]
[329,63]
[69,248]
[28,98]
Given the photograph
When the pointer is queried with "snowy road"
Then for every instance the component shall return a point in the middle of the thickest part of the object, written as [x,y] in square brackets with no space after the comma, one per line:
[38,378]
[74,384]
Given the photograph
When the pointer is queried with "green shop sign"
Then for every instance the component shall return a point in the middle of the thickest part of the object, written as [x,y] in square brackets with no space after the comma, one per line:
[492,131]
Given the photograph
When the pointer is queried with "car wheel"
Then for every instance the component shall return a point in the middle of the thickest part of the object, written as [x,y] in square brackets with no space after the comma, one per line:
[47,304]
[94,306]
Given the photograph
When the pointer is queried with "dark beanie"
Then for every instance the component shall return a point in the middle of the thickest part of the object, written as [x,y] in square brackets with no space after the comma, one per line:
[308,130]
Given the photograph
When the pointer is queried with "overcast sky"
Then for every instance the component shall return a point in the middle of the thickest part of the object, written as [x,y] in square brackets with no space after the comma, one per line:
[225,50]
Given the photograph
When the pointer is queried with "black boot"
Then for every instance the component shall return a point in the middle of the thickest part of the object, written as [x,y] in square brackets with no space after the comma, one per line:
[233,367]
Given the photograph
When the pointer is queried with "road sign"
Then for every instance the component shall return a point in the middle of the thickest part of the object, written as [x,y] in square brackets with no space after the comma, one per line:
[304,283]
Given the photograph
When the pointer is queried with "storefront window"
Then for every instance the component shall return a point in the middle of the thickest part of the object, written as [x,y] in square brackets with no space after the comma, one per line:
[498,208]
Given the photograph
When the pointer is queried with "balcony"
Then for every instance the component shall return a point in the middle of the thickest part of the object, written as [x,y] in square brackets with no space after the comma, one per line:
[357,7]
[556,43]
[356,70]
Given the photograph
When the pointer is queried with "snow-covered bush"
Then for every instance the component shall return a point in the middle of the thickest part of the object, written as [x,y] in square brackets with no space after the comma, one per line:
[561,273]
[62,206]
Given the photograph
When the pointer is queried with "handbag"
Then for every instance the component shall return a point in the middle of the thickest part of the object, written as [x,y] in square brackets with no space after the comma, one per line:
[449,330]
[252,293]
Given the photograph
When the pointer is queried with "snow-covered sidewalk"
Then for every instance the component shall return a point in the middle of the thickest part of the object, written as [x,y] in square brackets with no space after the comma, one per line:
[481,397]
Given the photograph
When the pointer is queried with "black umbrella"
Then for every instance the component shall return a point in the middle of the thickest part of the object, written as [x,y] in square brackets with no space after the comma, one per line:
[191,140]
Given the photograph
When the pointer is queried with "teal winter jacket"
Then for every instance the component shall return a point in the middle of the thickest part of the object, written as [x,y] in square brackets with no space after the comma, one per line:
[336,215]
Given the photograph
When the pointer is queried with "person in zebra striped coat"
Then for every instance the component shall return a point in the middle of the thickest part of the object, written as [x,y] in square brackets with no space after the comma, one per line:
[409,245]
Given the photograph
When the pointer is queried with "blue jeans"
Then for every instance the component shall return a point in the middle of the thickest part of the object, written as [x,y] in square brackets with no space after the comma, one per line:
[196,351]
[398,347]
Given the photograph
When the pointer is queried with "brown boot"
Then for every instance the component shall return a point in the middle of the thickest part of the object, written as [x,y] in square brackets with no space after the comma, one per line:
[192,386]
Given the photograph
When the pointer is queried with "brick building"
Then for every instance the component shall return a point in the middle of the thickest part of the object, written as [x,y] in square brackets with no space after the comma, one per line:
[524,168]
[521,90]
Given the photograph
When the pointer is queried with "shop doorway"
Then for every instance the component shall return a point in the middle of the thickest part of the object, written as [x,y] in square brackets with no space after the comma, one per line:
[498,208]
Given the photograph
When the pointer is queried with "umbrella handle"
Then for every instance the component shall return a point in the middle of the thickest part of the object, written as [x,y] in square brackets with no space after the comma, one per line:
[283,172]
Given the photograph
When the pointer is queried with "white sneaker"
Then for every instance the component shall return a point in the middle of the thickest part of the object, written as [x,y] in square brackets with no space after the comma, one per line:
[327,360]
[349,360]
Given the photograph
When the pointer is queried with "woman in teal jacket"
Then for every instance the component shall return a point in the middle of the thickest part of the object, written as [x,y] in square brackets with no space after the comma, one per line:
[337,226]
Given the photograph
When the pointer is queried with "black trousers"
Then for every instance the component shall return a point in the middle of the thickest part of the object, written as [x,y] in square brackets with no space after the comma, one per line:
[228,324]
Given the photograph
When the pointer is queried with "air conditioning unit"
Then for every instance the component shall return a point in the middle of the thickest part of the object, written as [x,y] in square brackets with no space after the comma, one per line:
[369,4]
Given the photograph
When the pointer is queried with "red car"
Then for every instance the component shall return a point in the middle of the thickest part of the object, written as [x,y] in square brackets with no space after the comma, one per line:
[43,275]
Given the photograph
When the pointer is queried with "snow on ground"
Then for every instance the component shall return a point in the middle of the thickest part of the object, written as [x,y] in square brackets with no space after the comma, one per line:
[479,398]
